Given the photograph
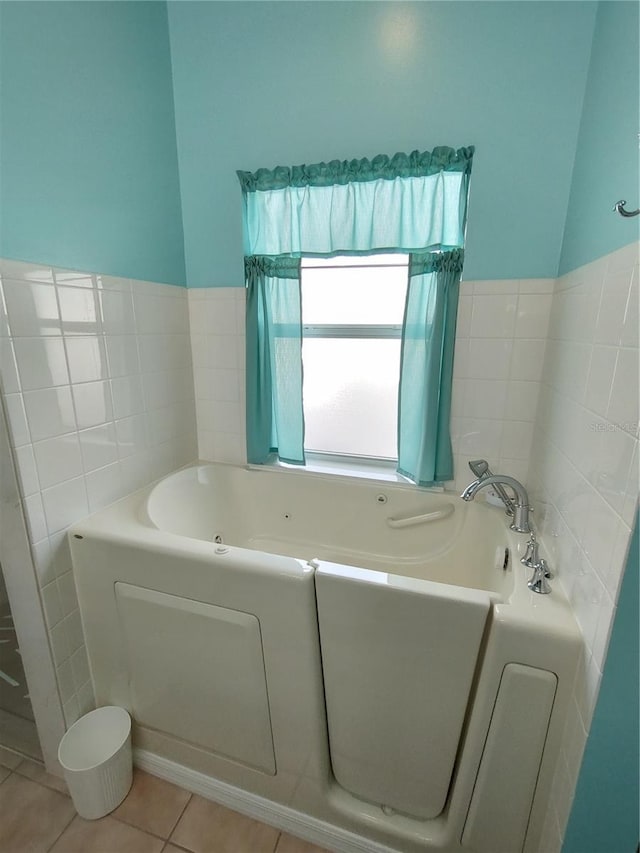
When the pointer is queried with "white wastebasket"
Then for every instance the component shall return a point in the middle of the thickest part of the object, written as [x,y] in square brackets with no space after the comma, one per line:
[95,755]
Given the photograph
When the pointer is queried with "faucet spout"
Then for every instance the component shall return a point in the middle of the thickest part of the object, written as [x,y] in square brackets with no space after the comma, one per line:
[521,506]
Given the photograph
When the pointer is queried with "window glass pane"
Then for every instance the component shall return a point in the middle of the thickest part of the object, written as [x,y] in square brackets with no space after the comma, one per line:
[354,295]
[351,395]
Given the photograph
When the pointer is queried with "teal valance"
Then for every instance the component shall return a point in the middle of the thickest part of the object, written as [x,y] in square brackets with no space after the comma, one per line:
[406,203]
[417,164]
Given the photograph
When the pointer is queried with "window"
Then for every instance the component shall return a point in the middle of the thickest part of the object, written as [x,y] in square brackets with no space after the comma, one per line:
[352,312]
[347,393]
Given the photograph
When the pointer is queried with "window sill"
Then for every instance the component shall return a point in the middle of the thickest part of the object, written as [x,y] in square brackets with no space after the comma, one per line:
[349,466]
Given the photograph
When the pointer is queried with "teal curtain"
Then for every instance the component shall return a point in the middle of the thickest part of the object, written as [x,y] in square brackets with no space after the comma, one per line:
[410,203]
[274,422]
[426,367]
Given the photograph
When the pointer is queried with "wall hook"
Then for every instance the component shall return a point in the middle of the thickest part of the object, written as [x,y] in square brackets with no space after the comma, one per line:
[619,206]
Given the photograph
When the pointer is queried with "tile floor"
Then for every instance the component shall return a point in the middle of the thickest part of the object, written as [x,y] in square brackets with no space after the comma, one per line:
[37,816]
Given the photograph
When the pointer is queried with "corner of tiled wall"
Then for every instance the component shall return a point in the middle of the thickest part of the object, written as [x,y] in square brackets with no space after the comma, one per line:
[584,473]
[97,383]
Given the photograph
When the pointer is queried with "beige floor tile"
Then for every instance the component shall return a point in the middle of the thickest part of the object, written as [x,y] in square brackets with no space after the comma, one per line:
[32,816]
[152,804]
[290,844]
[36,772]
[171,848]
[4,772]
[207,827]
[105,836]
[9,759]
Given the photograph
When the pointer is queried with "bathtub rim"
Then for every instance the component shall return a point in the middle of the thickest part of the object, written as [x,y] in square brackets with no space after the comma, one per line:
[127,519]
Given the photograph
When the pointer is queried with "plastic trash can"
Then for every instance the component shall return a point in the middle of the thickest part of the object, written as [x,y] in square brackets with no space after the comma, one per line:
[95,755]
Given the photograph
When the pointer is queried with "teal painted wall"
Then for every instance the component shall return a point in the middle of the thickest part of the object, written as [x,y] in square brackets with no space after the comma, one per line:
[261,84]
[88,160]
[604,817]
[607,157]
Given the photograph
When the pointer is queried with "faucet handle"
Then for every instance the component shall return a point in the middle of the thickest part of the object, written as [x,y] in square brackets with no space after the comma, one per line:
[531,558]
[538,581]
[545,568]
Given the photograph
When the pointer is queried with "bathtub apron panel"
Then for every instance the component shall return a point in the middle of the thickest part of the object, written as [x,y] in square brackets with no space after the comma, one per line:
[506,781]
[197,671]
[398,667]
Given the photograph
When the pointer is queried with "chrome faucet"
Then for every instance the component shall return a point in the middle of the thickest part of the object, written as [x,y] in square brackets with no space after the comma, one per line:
[521,506]
[480,468]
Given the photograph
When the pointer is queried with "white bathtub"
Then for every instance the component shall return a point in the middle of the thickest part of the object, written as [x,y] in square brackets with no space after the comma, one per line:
[358,662]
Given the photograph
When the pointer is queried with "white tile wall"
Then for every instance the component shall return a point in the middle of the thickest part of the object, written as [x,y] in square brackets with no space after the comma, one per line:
[584,472]
[502,327]
[500,344]
[100,379]
[97,380]
[218,351]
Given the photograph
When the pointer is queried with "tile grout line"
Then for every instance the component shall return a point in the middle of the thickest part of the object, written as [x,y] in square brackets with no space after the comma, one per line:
[62,833]
[15,773]
[177,846]
[40,764]
[148,831]
[135,826]
[66,827]
[10,773]
[179,818]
